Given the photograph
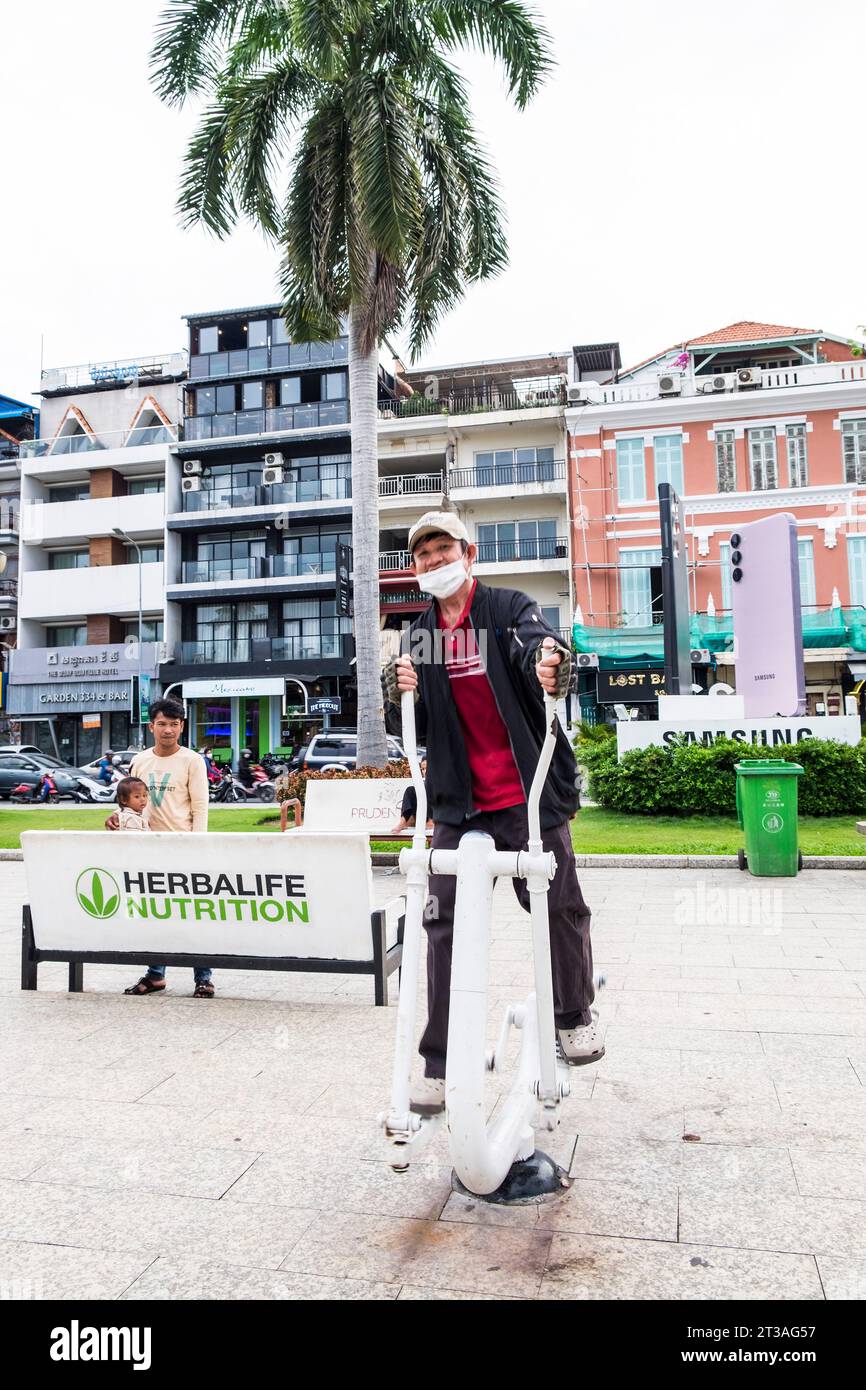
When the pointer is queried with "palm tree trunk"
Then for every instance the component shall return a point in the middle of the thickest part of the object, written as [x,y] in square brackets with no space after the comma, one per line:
[363,395]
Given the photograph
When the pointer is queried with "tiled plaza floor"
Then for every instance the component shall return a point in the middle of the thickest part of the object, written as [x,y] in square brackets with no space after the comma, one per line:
[170,1148]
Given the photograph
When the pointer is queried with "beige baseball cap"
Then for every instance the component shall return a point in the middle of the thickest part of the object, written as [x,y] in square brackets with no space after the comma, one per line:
[432,522]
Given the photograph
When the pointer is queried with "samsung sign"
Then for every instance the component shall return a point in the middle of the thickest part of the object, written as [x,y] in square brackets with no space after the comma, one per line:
[758,733]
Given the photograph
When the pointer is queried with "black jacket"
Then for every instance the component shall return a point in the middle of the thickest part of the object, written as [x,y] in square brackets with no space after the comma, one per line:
[514,629]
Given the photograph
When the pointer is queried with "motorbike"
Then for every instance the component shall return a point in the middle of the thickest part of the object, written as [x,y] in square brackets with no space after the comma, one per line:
[25,792]
[230,788]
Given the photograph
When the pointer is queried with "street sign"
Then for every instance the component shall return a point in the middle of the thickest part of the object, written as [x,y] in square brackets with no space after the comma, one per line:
[344,590]
[327,704]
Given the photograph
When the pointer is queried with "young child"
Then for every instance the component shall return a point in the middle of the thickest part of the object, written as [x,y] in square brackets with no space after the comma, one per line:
[131,803]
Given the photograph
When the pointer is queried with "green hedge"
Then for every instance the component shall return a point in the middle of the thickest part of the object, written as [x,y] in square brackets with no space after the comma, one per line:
[690,779]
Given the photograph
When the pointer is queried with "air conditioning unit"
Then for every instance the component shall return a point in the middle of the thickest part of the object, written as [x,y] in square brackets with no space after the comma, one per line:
[190,484]
[749,376]
[671,384]
[192,468]
[586,659]
[700,656]
[722,381]
[8,622]
[272,473]
[274,460]
[584,393]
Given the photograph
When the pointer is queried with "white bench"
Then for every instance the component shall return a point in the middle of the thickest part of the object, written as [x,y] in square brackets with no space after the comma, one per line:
[229,901]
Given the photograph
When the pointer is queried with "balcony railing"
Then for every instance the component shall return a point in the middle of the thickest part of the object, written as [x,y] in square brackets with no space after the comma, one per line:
[395,559]
[768,378]
[219,652]
[143,369]
[224,571]
[411,484]
[506,552]
[306,565]
[472,403]
[509,475]
[8,593]
[399,597]
[89,443]
[280,494]
[276,421]
[263,359]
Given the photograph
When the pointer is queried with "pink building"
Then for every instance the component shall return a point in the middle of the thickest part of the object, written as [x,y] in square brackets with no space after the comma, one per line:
[748,420]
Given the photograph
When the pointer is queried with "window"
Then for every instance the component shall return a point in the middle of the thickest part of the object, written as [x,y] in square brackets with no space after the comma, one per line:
[315,552]
[151,629]
[630,471]
[508,466]
[290,390]
[312,629]
[66,636]
[253,395]
[205,400]
[228,629]
[726,461]
[68,559]
[551,617]
[225,400]
[335,386]
[208,339]
[507,541]
[727,584]
[806,558]
[795,440]
[854,450]
[71,492]
[668,450]
[640,596]
[236,555]
[762,458]
[151,554]
[857,569]
[257,333]
[137,487]
[279,333]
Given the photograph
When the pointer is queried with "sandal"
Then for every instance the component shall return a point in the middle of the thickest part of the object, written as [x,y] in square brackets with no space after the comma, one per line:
[148,984]
[203,990]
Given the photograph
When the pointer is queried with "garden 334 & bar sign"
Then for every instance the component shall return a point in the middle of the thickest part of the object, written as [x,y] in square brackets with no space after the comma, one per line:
[218,894]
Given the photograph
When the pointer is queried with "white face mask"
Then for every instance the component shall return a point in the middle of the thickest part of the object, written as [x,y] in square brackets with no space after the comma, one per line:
[445,581]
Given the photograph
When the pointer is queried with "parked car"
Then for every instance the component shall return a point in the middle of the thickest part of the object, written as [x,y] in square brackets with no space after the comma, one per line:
[338,748]
[121,758]
[89,787]
[23,769]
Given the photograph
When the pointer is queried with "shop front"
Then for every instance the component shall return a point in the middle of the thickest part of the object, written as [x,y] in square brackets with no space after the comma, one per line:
[75,702]
[266,714]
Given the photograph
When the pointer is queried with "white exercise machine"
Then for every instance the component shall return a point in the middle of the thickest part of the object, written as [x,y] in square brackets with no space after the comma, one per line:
[494,1159]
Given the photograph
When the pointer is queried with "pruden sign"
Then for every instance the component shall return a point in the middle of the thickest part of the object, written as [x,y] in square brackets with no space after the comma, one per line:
[760,733]
[203,895]
[369,804]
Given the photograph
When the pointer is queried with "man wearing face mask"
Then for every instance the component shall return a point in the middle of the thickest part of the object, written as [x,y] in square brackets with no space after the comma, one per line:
[479,661]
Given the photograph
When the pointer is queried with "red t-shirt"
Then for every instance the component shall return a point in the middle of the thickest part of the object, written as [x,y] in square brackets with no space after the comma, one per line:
[495,780]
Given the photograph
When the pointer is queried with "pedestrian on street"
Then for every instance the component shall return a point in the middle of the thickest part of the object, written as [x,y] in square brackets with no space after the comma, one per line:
[479,682]
[176,781]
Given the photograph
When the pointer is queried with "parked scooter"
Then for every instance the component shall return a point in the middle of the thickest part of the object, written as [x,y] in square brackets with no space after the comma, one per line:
[230,788]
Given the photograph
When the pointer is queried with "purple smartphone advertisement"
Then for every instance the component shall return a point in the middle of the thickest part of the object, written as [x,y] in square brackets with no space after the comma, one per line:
[768,636]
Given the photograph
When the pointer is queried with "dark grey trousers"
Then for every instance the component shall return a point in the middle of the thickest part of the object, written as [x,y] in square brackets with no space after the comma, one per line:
[570,948]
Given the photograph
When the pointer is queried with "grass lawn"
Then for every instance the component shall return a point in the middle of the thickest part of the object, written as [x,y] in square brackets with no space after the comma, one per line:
[593,831]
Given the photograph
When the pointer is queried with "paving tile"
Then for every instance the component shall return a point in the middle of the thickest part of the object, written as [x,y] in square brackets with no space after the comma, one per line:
[806,1225]
[843,1278]
[169,1279]
[594,1208]
[185,1172]
[346,1185]
[597,1268]
[32,1271]
[833,1174]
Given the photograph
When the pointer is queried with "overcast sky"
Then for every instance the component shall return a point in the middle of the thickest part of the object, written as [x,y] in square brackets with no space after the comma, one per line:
[687,165]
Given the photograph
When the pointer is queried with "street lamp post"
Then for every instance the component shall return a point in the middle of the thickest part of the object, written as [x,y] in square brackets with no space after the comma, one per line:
[122,535]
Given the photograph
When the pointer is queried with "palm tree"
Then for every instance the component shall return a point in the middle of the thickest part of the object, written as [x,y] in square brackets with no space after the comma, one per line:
[341,129]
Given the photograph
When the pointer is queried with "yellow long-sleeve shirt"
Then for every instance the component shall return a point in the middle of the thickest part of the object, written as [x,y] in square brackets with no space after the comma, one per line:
[177,789]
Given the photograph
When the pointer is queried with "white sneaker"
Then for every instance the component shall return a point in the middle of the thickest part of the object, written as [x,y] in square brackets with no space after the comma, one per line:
[428,1096]
[577,1046]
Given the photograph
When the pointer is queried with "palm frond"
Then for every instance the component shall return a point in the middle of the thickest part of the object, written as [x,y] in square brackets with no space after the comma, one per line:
[261,110]
[383,165]
[506,29]
[206,191]
[191,36]
[315,269]
[320,29]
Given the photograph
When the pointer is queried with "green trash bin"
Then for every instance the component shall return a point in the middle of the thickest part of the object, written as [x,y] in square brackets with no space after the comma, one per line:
[767,812]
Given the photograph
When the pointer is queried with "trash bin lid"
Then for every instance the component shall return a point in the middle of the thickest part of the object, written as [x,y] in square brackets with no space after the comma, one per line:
[768,767]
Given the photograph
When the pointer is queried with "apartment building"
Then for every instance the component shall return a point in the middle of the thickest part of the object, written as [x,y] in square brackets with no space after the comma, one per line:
[259,498]
[18,421]
[91,552]
[745,421]
[486,439]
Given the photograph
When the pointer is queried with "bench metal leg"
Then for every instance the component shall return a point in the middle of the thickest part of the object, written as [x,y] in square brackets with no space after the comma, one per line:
[76,976]
[29,966]
[380,976]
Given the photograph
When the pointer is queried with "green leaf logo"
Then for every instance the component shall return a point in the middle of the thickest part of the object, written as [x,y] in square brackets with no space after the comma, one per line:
[98,893]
